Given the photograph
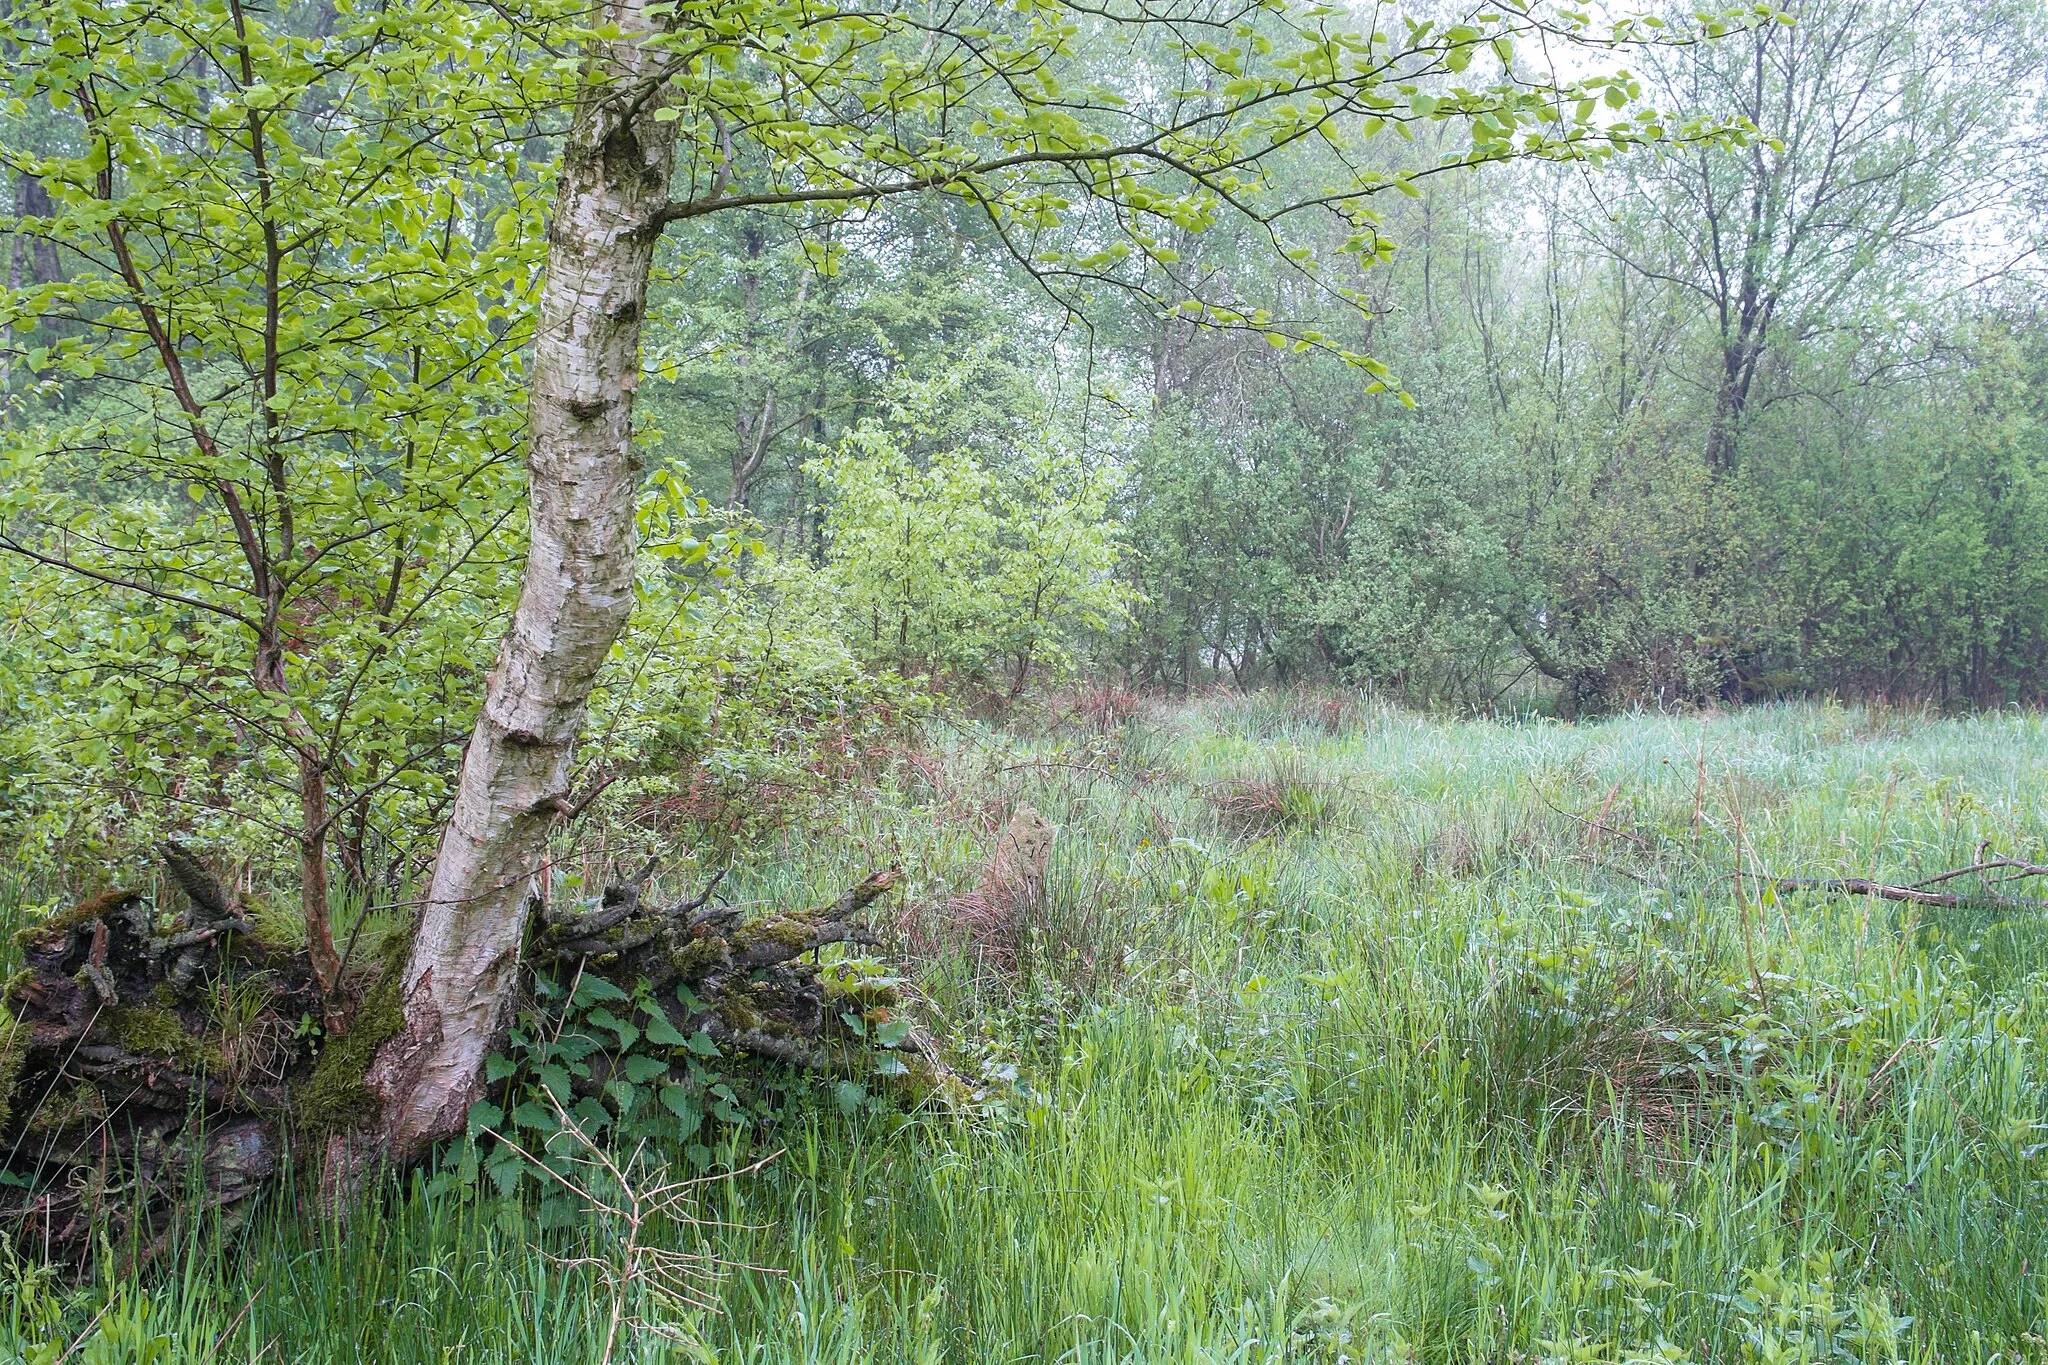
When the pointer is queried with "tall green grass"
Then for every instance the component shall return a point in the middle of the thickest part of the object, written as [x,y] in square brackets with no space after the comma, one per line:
[1485,1053]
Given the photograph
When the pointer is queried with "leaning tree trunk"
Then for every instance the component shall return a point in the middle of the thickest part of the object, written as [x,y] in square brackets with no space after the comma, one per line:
[573,602]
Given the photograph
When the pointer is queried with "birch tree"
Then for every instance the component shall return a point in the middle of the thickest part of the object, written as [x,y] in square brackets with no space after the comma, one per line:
[701,107]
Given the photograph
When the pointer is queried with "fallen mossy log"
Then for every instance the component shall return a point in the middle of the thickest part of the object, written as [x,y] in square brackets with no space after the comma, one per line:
[755,986]
[154,1061]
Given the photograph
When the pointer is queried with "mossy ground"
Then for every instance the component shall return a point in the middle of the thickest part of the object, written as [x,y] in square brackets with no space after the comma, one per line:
[84,912]
[157,1031]
[13,1054]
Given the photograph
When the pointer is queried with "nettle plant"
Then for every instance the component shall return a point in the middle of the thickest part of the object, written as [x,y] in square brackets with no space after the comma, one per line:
[622,1062]
[589,1063]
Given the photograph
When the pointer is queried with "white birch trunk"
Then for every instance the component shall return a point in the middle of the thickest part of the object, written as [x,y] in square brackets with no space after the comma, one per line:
[574,600]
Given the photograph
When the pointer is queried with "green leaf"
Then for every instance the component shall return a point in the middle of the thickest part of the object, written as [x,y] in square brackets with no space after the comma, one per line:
[678,1102]
[892,1033]
[662,1032]
[533,1118]
[591,1117]
[592,988]
[604,1018]
[506,1170]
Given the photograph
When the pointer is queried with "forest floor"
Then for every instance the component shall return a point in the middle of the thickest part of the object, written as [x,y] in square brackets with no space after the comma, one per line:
[1340,1034]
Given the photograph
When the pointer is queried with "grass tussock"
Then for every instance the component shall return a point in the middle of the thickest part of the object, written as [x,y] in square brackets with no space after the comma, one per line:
[1284,796]
[1500,1061]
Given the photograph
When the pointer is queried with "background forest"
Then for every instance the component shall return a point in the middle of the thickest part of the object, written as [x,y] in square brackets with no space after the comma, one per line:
[1695,426]
[1705,424]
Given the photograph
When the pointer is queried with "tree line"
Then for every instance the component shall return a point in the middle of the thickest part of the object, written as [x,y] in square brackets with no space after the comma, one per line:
[1699,426]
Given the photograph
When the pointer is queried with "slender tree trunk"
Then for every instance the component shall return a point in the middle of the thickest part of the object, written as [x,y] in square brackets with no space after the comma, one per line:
[32,200]
[14,254]
[314,893]
[756,425]
[574,600]
[1730,398]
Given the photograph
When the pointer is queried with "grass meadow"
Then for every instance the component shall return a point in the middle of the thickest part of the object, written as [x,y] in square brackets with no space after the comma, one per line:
[1341,1034]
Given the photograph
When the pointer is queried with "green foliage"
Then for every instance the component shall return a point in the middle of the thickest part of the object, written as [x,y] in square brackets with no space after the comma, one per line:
[1307,534]
[735,704]
[130,1327]
[1665,452]
[1454,1077]
[34,1306]
[1873,539]
[592,1068]
[1034,121]
[261,396]
[945,560]
[262,411]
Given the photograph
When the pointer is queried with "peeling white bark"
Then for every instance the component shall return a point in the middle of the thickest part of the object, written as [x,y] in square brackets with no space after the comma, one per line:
[574,601]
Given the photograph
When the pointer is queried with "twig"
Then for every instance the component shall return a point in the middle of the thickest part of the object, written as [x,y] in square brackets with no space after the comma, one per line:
[1916,893]
[1863,886]
[229,1330]
[1595,825]
[72,1350]
[2019,871]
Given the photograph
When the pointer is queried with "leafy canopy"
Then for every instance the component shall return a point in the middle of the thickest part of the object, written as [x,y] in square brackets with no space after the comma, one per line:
[1093,137]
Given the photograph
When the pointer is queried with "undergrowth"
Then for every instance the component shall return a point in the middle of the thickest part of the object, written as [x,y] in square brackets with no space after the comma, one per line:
[1475,1048]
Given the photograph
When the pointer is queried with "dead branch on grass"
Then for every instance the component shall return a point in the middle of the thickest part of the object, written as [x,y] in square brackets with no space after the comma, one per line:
[2008,870]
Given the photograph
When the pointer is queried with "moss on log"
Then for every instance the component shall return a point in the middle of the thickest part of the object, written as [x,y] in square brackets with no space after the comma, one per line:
[149,1051]
[759,988]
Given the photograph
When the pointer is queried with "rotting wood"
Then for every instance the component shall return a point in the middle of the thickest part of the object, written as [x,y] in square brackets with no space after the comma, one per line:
[146,1056]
